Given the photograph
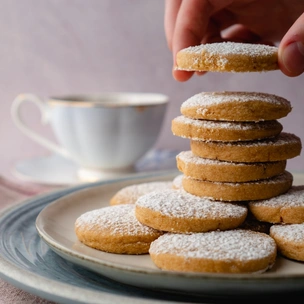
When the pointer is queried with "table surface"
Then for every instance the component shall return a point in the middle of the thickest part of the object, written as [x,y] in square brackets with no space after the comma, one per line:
[13,192]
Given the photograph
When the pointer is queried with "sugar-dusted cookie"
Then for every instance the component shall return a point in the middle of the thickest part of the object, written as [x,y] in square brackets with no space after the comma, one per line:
[198,129]
[231,251]
[289,239]
[178,211]
[235,106]
[285,208]
[223,171]
[228,57]
[246,191]
[177,182]
[115,229]
[130,194]
[282,147]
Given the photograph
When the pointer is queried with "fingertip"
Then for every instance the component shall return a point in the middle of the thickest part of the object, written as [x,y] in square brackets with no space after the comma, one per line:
[181,76]
[291,58]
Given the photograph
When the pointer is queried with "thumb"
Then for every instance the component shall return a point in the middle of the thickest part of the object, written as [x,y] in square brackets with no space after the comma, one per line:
[291,49]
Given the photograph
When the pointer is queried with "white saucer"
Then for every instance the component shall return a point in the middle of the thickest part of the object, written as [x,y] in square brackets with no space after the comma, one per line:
[56,170]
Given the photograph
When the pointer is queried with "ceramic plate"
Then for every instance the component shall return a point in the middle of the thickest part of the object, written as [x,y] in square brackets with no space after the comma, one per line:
[27,262]
[55,224]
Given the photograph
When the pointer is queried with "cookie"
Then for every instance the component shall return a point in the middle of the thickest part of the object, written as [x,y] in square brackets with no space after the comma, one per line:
[223,171]
[235,106]
[246,191]
[286,208]
[282,147]
[251,223]
[115,229]
[289,240]
[177,182]
[130,194]
[231,251]
[178,211]
[209,130]
[228,57]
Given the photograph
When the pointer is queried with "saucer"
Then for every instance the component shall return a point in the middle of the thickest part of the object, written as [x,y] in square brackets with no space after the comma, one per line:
[58,171]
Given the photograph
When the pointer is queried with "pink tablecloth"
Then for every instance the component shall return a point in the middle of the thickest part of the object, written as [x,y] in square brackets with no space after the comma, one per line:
[12,192]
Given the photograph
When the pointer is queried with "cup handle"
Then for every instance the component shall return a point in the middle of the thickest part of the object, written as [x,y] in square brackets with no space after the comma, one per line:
[17,119]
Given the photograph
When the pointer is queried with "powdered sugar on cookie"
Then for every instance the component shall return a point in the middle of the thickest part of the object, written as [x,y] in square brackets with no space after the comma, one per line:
[293,198]
[234,251]
[118,219]
[212,98]
[180,204]
[130,194]
[233,48]
[291,232]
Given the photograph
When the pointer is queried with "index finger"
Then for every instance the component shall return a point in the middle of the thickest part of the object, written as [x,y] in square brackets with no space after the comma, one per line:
[171,11]
[190,27]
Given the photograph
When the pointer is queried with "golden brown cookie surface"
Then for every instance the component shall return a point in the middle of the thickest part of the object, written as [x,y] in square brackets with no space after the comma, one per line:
[231,251]
[130,194]
[282,147]
[178,211]
[239,191]
[209,130]
[290,240]
[115,229]
[223,171]
[228,57]
[286,208]
[235,106]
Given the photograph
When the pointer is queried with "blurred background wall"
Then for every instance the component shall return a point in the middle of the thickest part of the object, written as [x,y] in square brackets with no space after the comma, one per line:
[53,47]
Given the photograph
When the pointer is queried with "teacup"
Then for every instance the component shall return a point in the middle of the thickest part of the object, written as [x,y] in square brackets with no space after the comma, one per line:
[104,132]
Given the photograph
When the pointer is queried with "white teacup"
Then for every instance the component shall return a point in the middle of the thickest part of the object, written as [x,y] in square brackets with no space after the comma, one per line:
[109,131]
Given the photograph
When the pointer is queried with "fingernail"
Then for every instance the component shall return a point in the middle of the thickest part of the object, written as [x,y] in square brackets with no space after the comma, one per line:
[293,58]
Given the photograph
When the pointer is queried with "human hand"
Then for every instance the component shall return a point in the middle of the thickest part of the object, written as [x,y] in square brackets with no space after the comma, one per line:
[192,22]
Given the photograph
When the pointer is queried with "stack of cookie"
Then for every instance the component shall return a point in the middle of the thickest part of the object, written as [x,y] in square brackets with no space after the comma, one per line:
[238,150]
[235,171]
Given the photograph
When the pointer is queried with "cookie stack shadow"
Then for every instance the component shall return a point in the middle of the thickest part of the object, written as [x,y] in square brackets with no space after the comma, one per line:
[238,150]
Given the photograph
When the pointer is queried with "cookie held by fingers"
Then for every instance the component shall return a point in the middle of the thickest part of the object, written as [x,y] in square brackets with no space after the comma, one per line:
[228,57]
